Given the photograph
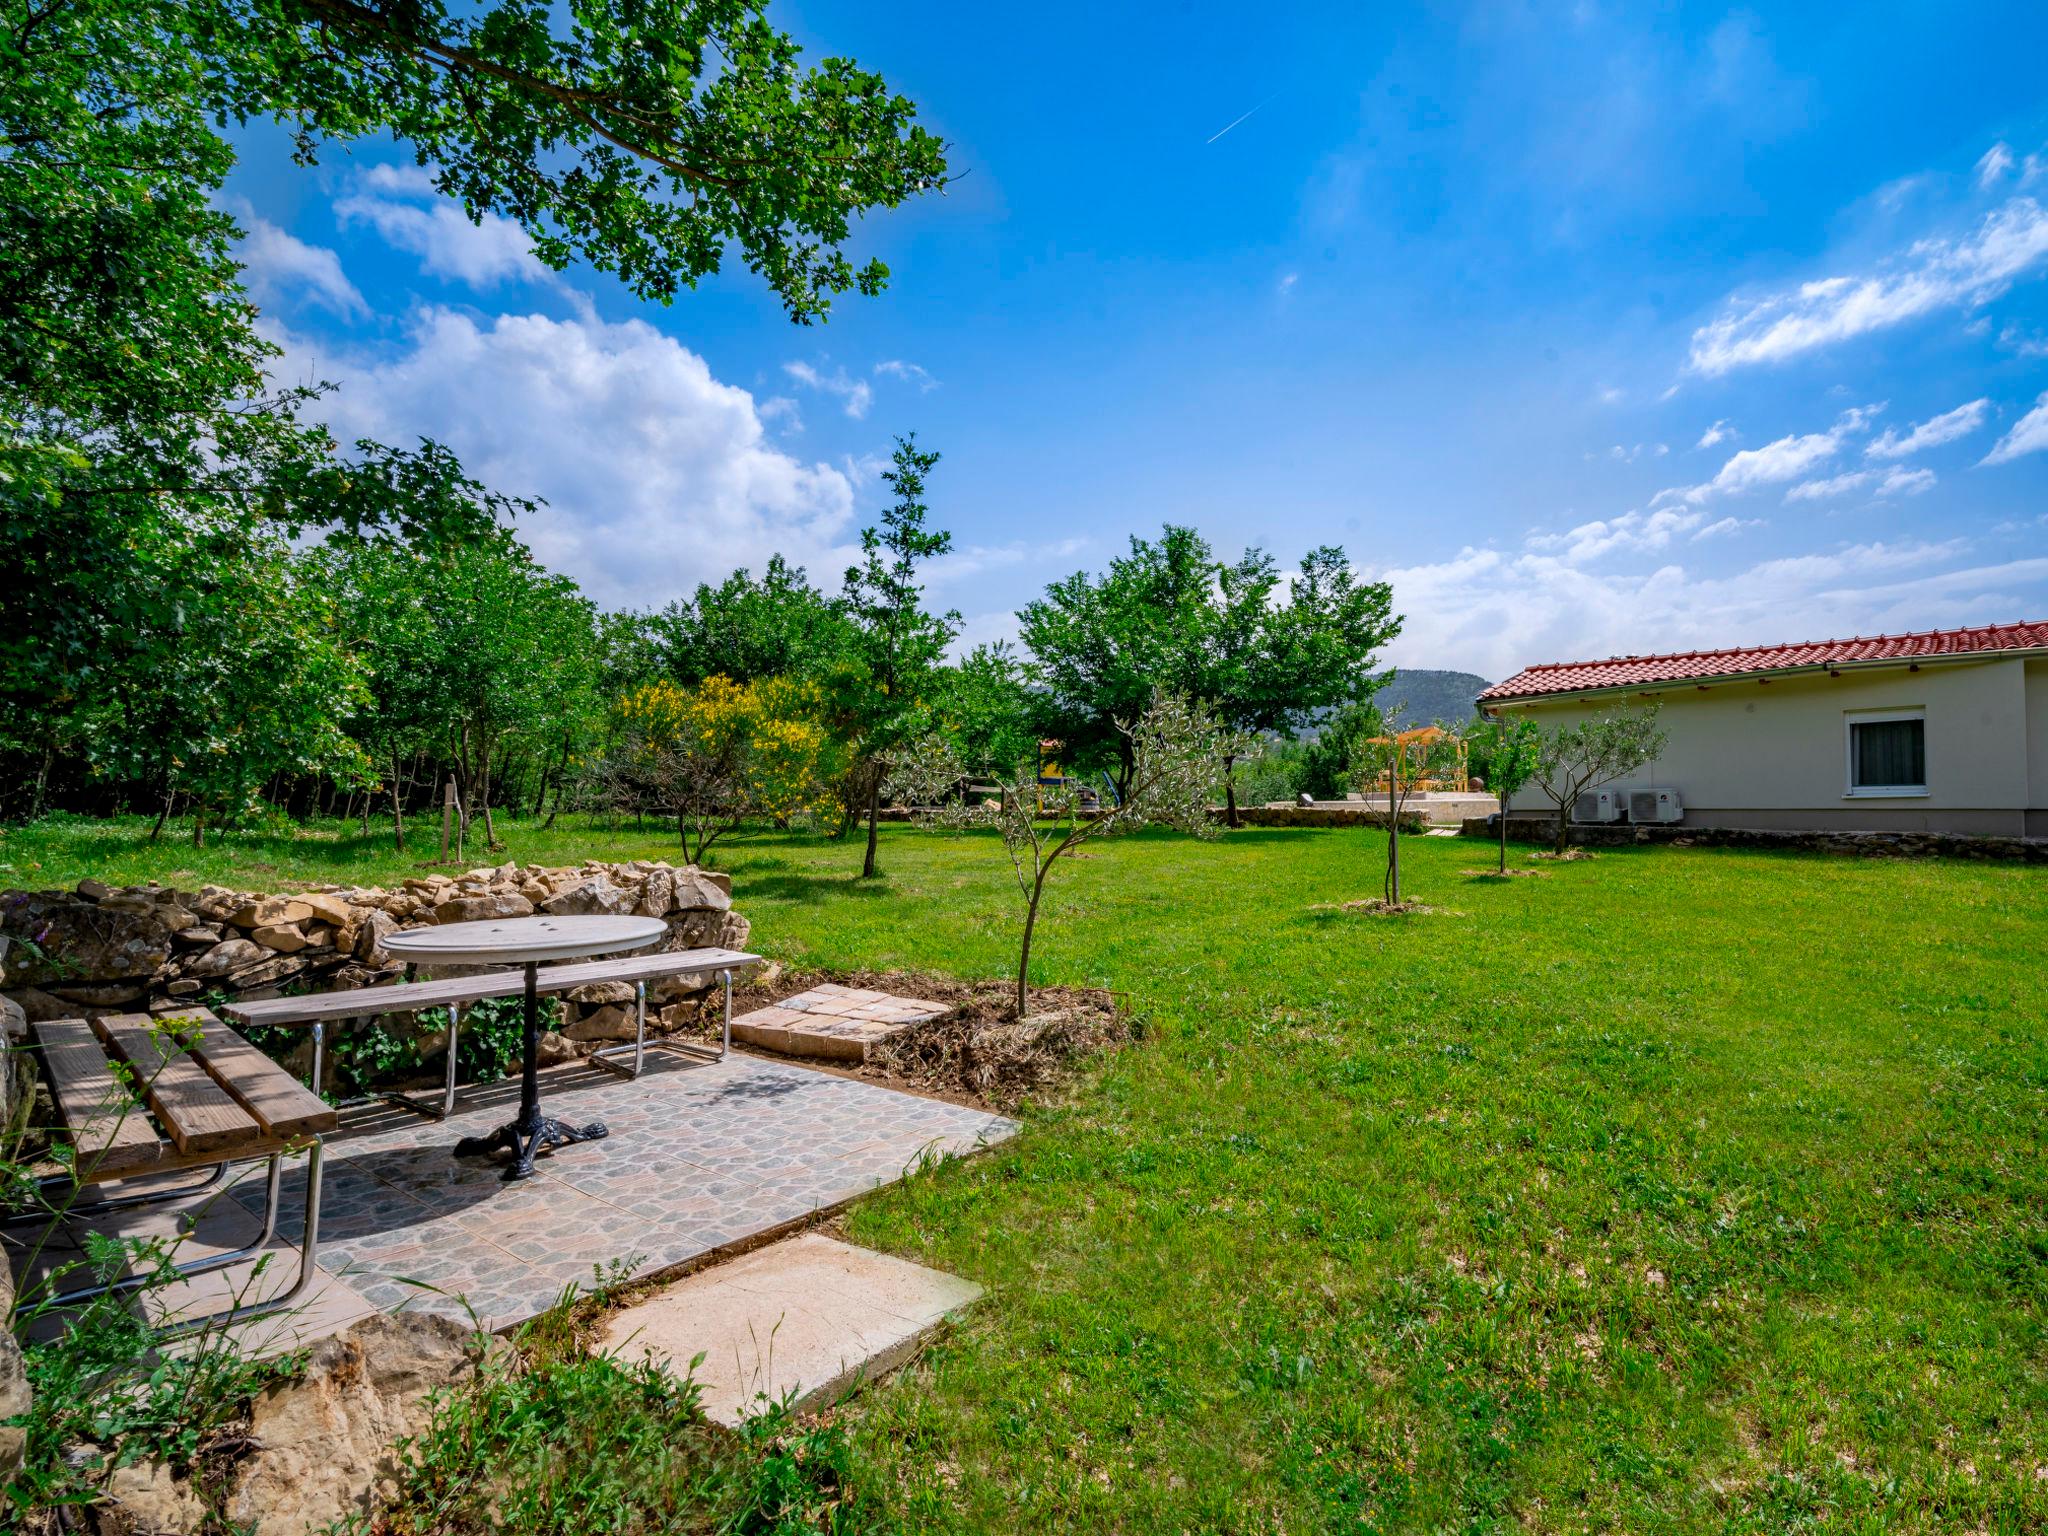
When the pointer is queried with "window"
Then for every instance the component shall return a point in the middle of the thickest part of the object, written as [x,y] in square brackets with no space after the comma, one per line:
[1888,754]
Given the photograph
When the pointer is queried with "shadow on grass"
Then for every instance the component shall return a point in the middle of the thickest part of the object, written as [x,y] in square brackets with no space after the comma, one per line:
[812,890]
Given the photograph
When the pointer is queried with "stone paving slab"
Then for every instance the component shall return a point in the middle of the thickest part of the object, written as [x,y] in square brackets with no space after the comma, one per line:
[809,1316]
[700,1155]
[831,1022]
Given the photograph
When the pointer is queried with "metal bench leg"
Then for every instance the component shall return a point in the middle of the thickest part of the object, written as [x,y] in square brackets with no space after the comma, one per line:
[59,1181]
[447,1104]
[641,1044]
[272,1179]
[309,1254]
[319,1054]
[603,1058]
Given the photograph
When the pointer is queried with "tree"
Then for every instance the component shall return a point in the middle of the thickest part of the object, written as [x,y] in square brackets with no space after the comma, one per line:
[510,644]
[1170,616]
[649,140]
[1397,764]
[1576,759]
[716,754]
[743,629]
[1277,663]
[985,709]
[1505,752]
[247,681]
[895,646]
[1326,768]
[1177,750]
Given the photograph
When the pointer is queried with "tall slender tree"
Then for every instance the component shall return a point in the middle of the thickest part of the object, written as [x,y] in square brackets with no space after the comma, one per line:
[896,646]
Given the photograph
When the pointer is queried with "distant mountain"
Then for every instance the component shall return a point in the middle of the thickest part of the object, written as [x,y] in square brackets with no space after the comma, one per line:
[1430,698]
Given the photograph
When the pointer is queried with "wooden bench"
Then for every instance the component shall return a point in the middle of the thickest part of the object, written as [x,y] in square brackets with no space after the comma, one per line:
[187,1093]
[318,1009]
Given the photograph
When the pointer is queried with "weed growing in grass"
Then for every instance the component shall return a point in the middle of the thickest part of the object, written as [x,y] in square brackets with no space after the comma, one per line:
[550,1439]
[111,1390]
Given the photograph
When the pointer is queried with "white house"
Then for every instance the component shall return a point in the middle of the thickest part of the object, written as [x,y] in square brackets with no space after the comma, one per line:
[1945,731]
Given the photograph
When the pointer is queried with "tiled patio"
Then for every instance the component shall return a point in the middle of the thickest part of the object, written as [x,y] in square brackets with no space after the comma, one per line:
[699,1156]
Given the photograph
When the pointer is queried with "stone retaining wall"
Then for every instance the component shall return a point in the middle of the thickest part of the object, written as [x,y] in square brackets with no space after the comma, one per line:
[99,949]
[1543,829]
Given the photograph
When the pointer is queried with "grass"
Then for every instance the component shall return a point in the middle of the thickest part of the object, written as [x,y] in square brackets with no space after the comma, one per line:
[1683,1190]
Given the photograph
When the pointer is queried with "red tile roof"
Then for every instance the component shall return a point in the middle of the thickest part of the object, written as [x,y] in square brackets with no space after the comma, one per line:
[1691,666]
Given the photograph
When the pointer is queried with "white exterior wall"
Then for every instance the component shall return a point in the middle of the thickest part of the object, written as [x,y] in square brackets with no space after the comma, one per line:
[1775,754]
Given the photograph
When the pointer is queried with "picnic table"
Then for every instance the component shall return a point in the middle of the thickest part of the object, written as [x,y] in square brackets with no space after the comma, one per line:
[526,942]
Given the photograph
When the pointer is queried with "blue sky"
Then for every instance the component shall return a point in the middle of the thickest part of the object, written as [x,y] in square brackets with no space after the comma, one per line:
[1593,328]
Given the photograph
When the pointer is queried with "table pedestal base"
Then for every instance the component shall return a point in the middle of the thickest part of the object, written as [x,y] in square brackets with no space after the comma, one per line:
[525,1144]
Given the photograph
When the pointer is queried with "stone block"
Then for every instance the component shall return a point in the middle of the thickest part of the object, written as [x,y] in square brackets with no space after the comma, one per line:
[270,912]
[484,908]
[811,1316]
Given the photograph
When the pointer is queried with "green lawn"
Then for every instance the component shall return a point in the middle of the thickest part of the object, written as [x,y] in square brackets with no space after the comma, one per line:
[1679,1190]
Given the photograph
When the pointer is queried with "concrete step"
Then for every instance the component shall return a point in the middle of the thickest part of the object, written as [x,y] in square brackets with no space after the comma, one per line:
[810,1316]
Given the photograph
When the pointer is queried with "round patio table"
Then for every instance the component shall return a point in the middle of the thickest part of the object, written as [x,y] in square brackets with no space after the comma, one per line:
[525,941]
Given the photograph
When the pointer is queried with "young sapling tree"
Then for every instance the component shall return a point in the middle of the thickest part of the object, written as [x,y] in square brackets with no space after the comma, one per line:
[1506,754]
[1576,759]
[1177,757]
[1398,765]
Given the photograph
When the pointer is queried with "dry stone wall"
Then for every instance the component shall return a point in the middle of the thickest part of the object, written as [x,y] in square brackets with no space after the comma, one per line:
[101,949]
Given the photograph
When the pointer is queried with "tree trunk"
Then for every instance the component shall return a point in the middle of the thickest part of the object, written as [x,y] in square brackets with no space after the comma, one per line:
[163,815]
[35,805]
[484,780]
[199,826]
[397,807]
[1564,825]
[1393,891]
[1230,792]
[1024,954]
[867,868]
[1503,834]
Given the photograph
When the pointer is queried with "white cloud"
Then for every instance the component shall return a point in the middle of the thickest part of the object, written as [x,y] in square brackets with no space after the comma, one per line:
[657,475]
[1931,433]
[1628,531]
[402,205]
[2023,343]
[1932,274]
[855,395]
[1719,432]
[280,266]
[1896,481]
[1286,284]
[1727,525]
[1494,613]
[1838,485]
[1788,458]
[2028,435]
[1995,166]
[908,372]
[1906,482]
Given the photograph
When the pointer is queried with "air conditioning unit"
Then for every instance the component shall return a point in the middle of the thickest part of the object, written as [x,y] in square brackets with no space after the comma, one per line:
[1654,805]
[1600,805]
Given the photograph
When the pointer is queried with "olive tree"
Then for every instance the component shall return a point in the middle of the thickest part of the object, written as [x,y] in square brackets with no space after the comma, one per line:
[1177,753]
[1576,759]
[1506,754]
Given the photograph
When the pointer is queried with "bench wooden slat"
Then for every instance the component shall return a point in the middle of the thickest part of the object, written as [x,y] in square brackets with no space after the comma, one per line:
[109,1131]
[283,1106]
[411,996]
[198,1114]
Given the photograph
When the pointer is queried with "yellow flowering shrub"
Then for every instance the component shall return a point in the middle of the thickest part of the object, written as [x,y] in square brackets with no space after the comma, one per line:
[764,741]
